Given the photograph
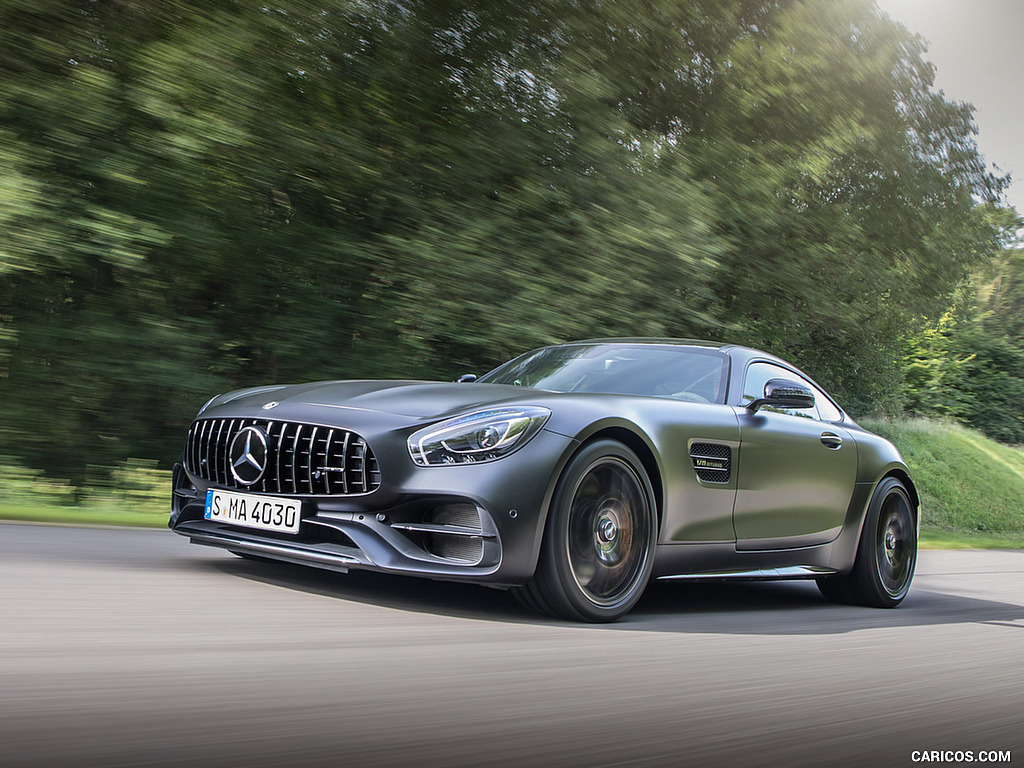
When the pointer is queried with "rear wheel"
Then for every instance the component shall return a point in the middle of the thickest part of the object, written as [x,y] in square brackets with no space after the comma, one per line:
[886,556]
[599,540]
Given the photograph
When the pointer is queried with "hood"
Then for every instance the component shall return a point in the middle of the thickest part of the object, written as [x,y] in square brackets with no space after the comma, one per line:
[420,400]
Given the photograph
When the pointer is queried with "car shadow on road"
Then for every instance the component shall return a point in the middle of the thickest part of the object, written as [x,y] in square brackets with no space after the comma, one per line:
[741,608]
[797,608]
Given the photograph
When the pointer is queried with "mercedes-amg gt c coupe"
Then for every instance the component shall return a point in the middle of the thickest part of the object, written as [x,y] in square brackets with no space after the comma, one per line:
[571,475]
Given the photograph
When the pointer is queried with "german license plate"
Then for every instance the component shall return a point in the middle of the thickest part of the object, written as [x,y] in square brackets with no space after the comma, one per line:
[267,513]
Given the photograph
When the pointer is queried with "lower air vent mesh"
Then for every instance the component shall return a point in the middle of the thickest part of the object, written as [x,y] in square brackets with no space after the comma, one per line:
[712,462]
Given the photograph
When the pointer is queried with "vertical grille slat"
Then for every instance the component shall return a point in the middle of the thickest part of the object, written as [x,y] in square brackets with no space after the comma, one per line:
[307,464]
[344,463]
[274,481]
[301,459]
[355,470]
[210,454]
[191,457]
[295,458]
[364,466]
[312,460]
[271,458]
[327,462]
[282,459]
[208,447]
[220,463]
[203,456]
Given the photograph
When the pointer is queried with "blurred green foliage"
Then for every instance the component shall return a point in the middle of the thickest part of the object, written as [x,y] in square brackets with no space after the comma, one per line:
[207,194]
[134,486]
[971,365]
[21,485]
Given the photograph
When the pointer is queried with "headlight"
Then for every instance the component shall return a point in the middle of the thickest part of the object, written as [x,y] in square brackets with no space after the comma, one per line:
[477,437]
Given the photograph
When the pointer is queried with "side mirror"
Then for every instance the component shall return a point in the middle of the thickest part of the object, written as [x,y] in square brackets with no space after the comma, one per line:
[783,393]
[466,378]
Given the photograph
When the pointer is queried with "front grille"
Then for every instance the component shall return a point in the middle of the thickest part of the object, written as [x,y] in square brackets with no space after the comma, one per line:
[712,462]
[301,459]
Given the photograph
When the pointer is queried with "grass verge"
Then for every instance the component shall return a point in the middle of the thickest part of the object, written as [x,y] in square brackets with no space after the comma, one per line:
[83,515]
[939,538]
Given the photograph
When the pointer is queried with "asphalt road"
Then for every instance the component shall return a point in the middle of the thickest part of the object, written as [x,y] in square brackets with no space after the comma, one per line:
[135,648]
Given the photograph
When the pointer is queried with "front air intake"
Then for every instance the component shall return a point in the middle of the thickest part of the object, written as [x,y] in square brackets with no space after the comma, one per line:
[456,533]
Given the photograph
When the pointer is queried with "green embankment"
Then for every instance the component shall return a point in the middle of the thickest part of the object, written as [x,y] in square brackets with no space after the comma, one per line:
[972,489]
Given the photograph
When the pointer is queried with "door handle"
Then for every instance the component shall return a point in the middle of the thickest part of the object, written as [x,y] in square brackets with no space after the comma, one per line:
[831,440]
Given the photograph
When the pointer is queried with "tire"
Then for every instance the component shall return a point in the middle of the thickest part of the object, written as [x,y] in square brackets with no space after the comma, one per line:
[527,597]
[886,555]
[599,540]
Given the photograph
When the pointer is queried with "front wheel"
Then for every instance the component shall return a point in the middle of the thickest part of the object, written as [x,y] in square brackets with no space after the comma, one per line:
[599,541]
[887,555]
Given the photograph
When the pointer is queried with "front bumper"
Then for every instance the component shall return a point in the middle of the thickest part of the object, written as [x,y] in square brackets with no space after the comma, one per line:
[478,523]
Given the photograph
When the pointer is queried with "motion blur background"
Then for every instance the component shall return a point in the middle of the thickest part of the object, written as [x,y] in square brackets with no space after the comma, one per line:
[208,194]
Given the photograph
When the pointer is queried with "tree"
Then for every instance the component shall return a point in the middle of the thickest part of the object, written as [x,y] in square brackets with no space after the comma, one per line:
[203,195]
[849,193]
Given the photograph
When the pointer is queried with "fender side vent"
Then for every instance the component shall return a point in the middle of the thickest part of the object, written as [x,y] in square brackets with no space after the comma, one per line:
[712,462]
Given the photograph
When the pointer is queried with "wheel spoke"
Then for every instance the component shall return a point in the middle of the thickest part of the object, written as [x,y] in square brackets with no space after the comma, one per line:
[603,581]
[894,543]
[609,527]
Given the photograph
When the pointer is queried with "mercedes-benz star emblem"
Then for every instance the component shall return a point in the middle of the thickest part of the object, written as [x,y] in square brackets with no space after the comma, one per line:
[248,455]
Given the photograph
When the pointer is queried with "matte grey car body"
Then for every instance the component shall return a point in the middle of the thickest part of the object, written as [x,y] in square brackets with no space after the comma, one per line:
[572,474]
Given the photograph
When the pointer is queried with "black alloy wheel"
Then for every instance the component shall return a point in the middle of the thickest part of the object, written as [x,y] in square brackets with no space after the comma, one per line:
[600,537]
[887,555]
[895,544]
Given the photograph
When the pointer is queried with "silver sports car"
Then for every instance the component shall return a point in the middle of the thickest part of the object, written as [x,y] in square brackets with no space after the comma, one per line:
[572,475]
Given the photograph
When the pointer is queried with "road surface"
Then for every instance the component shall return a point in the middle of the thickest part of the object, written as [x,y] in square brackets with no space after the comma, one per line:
[135,648]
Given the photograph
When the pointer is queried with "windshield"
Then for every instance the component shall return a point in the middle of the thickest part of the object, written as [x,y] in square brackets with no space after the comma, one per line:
[694,374]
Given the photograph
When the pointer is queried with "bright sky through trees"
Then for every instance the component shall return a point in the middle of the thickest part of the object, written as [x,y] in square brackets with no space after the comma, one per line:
[975,46]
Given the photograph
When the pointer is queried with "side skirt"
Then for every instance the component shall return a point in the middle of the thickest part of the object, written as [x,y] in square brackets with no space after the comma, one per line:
[763,574]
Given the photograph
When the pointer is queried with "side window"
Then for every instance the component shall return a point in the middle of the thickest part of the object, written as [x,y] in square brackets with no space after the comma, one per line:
[758,375]
[826,410]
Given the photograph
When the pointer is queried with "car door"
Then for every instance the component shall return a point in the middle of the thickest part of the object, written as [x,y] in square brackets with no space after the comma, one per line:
[796,471]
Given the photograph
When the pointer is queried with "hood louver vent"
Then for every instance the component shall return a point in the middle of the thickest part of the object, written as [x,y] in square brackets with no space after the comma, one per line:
[712,462]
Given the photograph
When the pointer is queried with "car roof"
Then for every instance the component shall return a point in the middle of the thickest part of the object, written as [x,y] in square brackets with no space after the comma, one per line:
[737,352]
[655,341]
[649,340]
